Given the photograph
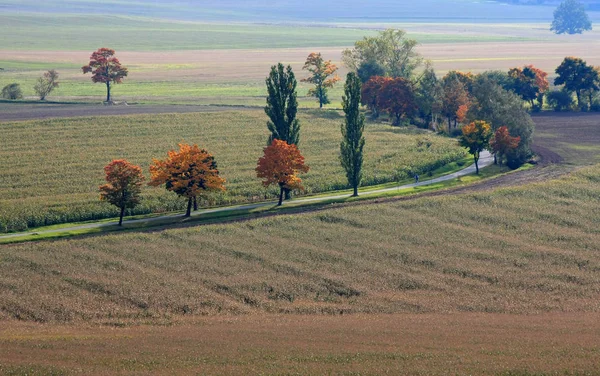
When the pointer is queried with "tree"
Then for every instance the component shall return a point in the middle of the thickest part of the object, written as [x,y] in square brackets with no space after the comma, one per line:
[370,92]
[502,143]
[454,99]
[560,100]
[577,77]
[189,172]
[12,91]
[397,98]
[570,18]
[123,185]
[321,75]
[476,137]
[280,165]
[390,50]
[368,69]
[529,83]
[499,107]
[282,105]
[428,96]
[46,83]
[105,68]
[353,142]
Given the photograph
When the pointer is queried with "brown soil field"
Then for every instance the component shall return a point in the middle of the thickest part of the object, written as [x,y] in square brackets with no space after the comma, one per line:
[218,66]
[401,344]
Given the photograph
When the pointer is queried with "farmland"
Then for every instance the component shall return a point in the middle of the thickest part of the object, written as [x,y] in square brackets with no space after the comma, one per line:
[58,179]
[509,276]
[498,277]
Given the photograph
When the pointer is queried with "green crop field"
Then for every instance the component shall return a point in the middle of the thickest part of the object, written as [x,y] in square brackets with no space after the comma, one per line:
[53,168]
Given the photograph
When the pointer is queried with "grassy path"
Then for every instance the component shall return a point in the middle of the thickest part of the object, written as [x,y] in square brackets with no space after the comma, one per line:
[485,160]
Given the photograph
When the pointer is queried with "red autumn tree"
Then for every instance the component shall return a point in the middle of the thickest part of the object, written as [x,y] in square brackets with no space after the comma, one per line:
[280,165]
[370,92]
[123,185]
[105,68]
[322,75]
[502,142]
[189,172]
[397,97]
[476,137]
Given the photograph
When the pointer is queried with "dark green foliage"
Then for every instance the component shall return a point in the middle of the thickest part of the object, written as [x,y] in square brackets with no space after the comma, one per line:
[500,107]
[498,77]
[570,18]
[428,96]
[353,141]
[282,105]
[12,92]
[578,77]
[560,100]
[368,69]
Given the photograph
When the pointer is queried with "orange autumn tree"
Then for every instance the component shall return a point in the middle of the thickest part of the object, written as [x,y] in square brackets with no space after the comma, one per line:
[502,143]
[476,137]
[280,165]
[189,172]
[123,185]
[105,68]
[321,75]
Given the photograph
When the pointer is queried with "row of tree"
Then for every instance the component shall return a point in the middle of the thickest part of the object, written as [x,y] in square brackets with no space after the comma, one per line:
[191,172]
[43,87]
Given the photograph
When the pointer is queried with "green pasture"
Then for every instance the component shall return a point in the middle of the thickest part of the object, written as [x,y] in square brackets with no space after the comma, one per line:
[52,168]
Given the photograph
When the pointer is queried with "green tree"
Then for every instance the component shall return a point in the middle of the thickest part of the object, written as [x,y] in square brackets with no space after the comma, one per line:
[322,75]
[282,105]
[390,50]
[476,137]
[570,18]
[353,141]
[12,91]
[577,77]
[428,96]
[499,107]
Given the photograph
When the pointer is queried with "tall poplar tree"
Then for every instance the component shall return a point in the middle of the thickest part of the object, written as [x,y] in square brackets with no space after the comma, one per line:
[282,105]
[353,140]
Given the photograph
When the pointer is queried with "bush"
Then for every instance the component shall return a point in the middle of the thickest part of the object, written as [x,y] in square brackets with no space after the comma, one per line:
[595,106]
[560,100]
[12,91]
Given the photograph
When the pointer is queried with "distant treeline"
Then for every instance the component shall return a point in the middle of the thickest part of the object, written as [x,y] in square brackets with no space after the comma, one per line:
[593,5]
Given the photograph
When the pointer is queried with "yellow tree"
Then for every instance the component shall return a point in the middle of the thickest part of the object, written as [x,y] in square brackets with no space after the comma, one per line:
[123,185]
[322,75]
[280,165]
[189,172]
[476,137]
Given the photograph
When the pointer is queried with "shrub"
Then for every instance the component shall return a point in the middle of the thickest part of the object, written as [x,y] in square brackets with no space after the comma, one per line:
[560,100]
[12,91]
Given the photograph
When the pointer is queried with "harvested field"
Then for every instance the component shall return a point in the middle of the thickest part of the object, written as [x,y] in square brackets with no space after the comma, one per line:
[425,344]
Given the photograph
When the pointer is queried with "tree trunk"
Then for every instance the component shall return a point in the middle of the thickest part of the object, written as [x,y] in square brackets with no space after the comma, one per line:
[495,158]
[189,208]
[355,194]
[121,216]
[476,164]
[288,193]
[591,98]
[195,203]
[280,195]
[578,98]
[449,125]
[108,91]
